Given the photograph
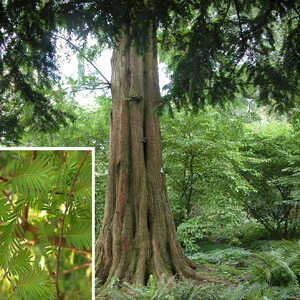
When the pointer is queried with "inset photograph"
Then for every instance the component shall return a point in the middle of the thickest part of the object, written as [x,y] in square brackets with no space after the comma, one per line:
[46,224]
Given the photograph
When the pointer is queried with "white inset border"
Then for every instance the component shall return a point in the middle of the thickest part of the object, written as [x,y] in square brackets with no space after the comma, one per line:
[92,149]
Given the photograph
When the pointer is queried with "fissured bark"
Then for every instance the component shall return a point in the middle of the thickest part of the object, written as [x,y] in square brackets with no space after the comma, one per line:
[138,235]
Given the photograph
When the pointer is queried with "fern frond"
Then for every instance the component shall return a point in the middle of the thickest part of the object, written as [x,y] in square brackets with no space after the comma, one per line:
[80,236]
[83,188]
[32,178]
[20,262]
[9,243]
[35,285]
[4,209]
[273,269]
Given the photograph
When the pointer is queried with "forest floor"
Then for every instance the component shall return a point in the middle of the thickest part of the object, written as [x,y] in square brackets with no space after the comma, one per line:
[262,269]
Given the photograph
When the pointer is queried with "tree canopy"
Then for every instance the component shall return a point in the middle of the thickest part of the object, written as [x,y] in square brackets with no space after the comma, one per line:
[214,49]
[225,48]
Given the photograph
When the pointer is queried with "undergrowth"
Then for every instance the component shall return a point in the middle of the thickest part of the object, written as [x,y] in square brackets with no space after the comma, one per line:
[269,270]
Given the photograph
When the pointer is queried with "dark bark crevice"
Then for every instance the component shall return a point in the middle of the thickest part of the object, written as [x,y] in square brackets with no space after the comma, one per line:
[149,222]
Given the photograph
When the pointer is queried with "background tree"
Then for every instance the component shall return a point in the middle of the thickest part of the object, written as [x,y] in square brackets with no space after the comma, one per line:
[272,160]
[225,48]
[202,150]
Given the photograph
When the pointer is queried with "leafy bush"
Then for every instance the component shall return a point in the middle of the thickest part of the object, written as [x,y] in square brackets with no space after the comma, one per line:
[217,224]
[271,159]
[200,152]
[251,232]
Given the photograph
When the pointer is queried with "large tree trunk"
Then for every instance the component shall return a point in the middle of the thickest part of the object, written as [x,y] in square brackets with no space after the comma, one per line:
[138,232]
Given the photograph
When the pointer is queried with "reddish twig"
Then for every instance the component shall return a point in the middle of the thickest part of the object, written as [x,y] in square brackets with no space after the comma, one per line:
[26,211]
[3,179]
[68,202]
[10,281]
[53,239]
[77,268]
[7,196]
[34,154]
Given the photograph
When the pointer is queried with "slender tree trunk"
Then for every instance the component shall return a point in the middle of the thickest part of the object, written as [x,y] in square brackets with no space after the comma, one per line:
[138,232]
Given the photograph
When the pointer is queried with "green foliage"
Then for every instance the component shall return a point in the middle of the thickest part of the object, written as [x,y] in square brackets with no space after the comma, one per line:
[162,290]
[261,291]
[270,267]
[27,63]
[228,256]
[34,285]
[40,189]
[91,128]
[215,225]
[215,50]
[271,161]
[252,233]
[201,151]
[153,290]
[221,49]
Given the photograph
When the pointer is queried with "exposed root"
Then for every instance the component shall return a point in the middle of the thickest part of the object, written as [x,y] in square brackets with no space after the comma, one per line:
[164,282]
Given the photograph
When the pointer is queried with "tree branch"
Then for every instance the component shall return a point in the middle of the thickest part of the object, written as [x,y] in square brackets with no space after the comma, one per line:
[3,179]
[64,246]
[7,196]
[53,239]
[63,222]
[10,281]
[225,15]
[240,24]
[77,268]
[86,58]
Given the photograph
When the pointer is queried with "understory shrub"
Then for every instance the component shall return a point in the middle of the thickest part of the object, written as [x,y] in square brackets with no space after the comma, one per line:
[271,163]
[214,224]
[251,231]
